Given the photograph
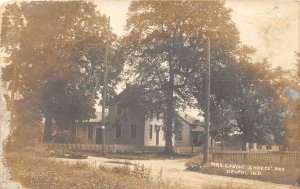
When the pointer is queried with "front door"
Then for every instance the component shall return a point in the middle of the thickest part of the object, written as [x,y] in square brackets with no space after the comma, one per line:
[98,136]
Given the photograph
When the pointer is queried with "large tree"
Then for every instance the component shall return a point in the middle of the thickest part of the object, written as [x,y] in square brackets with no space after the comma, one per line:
[292,123]
[49,73]
[253,91]
[166,47]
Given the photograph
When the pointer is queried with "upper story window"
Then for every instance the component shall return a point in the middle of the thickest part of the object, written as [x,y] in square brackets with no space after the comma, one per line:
[133,128]
[157,117]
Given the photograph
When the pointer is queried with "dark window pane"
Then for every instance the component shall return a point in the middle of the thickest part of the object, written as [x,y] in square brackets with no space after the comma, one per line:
[133,130]
[90,132]
[151,131]
[118,131]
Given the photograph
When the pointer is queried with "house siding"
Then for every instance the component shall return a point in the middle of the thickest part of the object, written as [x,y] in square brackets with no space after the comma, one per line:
[125,119]
[186,131]
[82,132]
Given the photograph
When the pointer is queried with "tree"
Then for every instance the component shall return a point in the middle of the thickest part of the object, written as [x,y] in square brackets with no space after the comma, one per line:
[292,122]
[50,75]
[166,48]
[254,92]
[257,104]
[224,122]
[12,25]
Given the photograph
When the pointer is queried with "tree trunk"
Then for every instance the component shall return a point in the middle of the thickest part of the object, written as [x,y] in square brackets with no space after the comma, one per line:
[243,128]
[245,141]
[222,144]
[48,127]
[169,122]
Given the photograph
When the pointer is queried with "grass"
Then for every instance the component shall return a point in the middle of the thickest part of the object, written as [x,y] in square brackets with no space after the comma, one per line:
[141,156]
[48,174]
[35,171]
[120,162]
[29,164]
[289,176]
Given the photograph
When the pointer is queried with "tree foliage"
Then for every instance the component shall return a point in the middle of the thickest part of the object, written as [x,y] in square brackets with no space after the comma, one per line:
[292,123]
[49,74]
[254,91]
[166,47]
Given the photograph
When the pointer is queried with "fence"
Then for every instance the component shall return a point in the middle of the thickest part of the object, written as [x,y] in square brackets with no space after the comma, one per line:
[117,148]
[257,157]
[113,148]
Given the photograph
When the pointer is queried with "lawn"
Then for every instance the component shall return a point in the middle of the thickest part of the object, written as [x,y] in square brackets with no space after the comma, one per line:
[29,163]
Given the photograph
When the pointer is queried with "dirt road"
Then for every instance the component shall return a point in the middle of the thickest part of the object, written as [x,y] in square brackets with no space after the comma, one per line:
[174,171]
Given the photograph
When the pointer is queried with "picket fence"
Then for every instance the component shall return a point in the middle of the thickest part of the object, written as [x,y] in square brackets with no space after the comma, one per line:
[257,157]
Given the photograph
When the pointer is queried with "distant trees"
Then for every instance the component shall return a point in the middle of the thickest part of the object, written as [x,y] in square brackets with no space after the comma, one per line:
[49,75]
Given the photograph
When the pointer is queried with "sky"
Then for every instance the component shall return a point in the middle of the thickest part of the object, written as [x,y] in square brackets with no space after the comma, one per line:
[270,26]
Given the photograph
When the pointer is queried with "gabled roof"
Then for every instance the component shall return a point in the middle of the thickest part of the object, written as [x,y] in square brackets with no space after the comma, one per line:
[190,119]
[129,94]
[193,122]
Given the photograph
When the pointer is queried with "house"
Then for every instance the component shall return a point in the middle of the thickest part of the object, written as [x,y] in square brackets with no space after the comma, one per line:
[128,123]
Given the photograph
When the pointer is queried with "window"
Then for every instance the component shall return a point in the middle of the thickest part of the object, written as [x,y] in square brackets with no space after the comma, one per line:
[118,131]
[133,130]
[151,131]
[90,132]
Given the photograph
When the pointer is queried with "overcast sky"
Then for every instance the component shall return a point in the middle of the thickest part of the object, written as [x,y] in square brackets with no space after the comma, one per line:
[272,27]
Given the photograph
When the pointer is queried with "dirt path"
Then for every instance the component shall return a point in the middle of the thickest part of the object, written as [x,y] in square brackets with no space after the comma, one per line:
[174,171]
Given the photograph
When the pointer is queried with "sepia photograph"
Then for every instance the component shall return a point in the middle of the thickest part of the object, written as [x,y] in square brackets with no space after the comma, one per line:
[150,94]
